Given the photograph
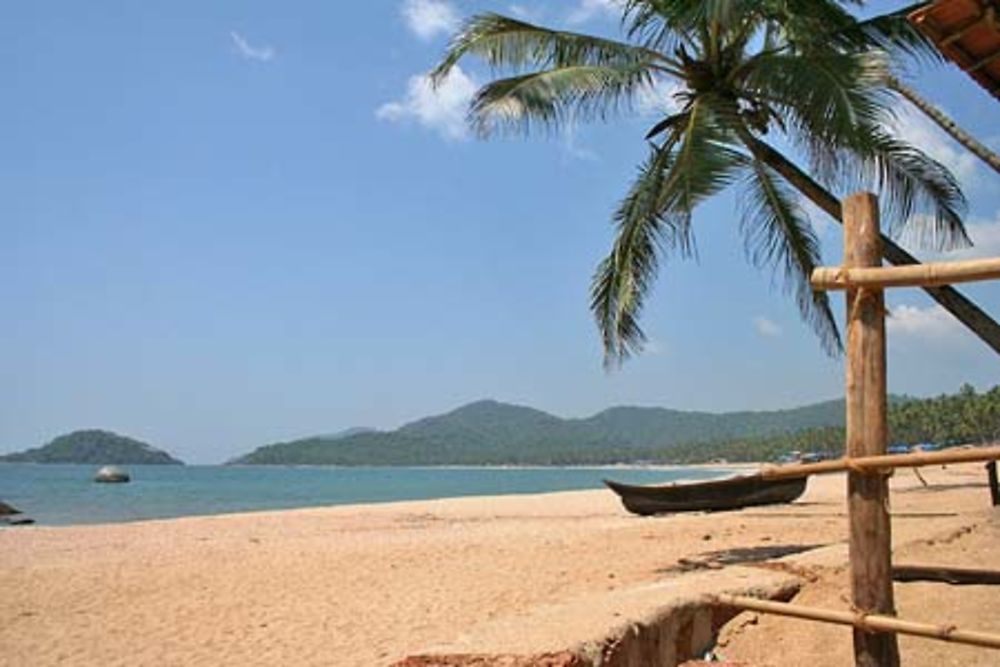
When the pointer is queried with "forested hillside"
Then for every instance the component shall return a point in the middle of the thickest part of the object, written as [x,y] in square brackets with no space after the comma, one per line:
[488,432]
[92,446]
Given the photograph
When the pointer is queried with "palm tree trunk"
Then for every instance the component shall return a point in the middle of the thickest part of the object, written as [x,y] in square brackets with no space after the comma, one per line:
[950,299]
[946,123]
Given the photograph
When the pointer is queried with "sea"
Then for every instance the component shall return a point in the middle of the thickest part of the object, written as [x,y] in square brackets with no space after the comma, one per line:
[56,494]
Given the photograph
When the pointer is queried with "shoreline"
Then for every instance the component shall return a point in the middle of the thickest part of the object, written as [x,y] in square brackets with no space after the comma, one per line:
[370,584]
[158,494]
[492,466]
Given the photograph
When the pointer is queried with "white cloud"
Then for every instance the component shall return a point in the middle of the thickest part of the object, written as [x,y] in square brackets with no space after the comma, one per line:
[658,99]
[588,9]
[919,130]
[571,148]
[428,18]
[530,14]
[820,220]
[766,327]
[246,50]
[930,322]
[985,237]
[654,348]
[441,109]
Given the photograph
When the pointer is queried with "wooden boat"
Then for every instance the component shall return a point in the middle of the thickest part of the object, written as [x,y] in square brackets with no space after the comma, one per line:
[711,496]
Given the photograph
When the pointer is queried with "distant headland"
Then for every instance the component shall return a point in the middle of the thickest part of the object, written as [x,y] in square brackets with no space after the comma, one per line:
[93,447]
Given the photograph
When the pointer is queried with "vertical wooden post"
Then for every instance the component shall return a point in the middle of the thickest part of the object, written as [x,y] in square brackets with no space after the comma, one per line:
[868,497]
[991,476]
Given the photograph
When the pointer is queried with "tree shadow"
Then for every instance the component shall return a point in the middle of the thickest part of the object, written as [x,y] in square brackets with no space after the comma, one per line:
[714,560]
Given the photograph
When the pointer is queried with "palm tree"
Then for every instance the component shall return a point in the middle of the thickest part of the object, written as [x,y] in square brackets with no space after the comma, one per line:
[945,122]
[792,67]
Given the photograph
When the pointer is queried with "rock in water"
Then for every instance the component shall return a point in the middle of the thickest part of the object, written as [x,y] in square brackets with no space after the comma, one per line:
[111,474]
[16,520]
[11,516]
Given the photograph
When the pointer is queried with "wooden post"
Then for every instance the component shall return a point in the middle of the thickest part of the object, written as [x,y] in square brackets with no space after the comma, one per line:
[868,497]
[991,475]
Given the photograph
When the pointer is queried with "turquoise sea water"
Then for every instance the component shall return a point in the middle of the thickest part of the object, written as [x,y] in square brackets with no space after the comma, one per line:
[66,494]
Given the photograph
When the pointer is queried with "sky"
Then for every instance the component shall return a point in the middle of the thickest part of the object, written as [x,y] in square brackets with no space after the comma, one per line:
[232,223]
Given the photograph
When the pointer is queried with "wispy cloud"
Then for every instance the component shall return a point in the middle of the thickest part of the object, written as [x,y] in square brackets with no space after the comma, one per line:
[429,18]
[984,232]
[530,14]
[820,220]
[659,98]
[441,109]
[586,10]
[920,131]
[985,235]
[765,327]
[932,322]
[250,52]
[571,147]
[655,348]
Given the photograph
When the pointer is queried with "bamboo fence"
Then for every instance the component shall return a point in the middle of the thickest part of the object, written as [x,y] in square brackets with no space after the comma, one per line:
[866,462]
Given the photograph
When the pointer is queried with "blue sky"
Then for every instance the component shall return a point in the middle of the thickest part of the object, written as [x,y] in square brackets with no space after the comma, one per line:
[230,223]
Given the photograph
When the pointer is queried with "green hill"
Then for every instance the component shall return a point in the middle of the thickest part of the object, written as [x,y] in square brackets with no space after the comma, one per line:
[489,432]
[92,447]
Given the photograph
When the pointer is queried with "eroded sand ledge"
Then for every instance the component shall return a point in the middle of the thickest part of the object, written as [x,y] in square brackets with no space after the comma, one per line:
[370,585]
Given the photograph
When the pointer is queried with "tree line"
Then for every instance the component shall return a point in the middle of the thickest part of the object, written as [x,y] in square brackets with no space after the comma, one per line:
[949,419]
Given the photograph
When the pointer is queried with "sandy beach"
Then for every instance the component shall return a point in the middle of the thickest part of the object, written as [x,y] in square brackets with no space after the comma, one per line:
[370,585]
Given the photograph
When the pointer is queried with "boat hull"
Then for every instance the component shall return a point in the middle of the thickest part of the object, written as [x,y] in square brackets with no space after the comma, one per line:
[712,496]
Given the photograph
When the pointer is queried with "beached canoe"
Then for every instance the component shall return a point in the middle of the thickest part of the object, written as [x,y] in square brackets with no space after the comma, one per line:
[714,495]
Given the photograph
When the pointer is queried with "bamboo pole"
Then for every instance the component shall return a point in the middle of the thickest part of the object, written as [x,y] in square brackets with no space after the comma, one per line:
[883,462]
[867,623]
[870,546]
[931,274]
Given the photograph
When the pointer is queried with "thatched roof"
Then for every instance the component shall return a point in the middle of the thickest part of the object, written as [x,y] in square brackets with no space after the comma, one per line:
[968,33]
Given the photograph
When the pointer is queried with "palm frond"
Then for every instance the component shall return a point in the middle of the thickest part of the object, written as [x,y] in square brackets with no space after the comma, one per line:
[654,219]
[665,124]
[912,182]
[779,236]
[506,43]
[893,33]
[819,102]
[649,22]
[825,95]
[836,105]
[803,24]
[664,24]
[554,97]
[623,278]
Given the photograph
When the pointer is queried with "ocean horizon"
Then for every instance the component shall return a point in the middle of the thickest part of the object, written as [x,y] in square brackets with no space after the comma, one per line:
[65,494]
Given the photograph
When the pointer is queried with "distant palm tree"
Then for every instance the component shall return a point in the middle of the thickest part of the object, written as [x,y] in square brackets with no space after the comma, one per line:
[800,68]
